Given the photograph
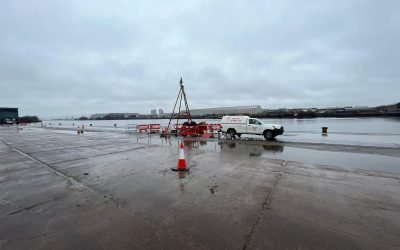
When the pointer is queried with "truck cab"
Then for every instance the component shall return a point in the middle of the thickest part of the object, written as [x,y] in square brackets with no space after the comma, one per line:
[238,125]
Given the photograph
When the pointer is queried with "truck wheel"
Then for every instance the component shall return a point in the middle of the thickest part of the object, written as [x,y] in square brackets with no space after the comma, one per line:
[232,133]
[268,135]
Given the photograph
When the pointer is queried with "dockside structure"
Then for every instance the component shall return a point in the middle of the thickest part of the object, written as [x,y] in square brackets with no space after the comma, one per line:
[8,115]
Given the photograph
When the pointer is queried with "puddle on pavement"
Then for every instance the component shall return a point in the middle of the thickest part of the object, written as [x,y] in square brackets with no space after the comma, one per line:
[339,159]
[273,151]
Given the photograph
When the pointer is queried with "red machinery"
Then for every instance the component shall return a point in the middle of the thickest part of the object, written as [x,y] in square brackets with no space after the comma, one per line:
[189,127]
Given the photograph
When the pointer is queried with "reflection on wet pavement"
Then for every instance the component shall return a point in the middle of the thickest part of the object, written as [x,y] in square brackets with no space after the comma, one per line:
[278,150]
[249,149]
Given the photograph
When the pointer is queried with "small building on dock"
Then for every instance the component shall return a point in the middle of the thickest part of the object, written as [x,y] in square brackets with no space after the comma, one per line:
[8,115]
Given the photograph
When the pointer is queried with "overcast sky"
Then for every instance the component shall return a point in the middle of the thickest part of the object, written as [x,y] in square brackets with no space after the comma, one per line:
[61,58]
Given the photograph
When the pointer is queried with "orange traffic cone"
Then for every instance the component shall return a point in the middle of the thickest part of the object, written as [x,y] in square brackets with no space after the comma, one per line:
[181,161]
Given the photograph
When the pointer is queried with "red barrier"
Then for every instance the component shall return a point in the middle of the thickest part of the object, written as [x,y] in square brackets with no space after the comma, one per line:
[196,130]
[142,127]
[189,131]
[154,127]
[178,126]
[214,127]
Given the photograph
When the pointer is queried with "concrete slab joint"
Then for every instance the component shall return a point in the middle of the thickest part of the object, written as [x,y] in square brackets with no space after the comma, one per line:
[266,204]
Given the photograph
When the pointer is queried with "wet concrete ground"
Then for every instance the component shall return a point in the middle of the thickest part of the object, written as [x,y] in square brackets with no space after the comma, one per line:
[107,190]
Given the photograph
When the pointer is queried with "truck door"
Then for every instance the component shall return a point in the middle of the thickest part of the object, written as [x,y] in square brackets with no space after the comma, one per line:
[241,127]
[253,126]
[260,128]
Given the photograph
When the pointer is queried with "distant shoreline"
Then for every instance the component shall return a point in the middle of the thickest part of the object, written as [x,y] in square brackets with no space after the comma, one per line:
[278,116]
[392,110]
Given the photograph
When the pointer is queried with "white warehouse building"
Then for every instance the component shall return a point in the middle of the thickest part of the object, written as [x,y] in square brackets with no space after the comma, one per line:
[239,110]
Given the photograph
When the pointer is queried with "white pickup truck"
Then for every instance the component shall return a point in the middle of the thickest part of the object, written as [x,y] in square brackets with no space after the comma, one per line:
[238,125]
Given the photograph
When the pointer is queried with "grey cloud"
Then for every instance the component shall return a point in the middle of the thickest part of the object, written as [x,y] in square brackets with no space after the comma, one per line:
[82,57]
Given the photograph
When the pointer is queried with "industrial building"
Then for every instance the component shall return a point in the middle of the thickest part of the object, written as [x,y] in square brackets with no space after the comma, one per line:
[114,116]
[8,115]
[238,110]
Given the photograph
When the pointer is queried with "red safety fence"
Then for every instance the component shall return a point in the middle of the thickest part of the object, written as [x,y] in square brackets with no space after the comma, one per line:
[142,128]
[214,127]
[187,130]
[151,128]
[154,127]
